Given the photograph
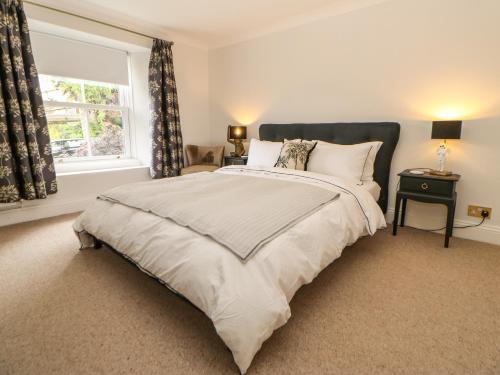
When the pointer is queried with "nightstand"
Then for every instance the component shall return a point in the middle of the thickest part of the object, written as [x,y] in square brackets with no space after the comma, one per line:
[235,160]
[430,189]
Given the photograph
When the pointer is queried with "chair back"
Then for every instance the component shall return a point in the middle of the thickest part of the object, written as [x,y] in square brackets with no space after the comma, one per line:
[204,155]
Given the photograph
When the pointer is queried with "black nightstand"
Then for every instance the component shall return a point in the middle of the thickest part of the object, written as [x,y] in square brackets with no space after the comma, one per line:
[430,189]
[235,160]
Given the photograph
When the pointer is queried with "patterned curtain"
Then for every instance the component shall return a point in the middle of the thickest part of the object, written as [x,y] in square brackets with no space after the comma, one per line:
[26,163]
[168,158]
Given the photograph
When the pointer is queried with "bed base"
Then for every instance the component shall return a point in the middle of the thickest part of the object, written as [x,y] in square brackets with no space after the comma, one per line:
[99,244]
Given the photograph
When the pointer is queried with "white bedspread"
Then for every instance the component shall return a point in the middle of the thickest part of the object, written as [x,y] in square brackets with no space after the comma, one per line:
[226,207]
[245,301]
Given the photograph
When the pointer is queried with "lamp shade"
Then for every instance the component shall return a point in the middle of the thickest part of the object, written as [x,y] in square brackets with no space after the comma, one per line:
[446,129]
[237,132]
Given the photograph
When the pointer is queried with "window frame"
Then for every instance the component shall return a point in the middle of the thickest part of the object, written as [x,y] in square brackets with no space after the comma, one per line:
[125,93]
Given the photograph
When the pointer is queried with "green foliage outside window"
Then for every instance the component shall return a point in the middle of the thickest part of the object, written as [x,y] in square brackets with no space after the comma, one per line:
[105,126]
[65,130]
[94,94]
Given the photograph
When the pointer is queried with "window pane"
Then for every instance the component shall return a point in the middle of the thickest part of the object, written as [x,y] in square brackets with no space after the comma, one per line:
[66,132]
[106,132]
[101,93]
[60,89]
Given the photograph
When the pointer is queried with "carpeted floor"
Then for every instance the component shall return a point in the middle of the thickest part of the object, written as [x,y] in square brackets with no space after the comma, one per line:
[389,305]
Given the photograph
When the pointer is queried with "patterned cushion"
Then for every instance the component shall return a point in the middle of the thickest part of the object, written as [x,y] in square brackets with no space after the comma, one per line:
[295,154]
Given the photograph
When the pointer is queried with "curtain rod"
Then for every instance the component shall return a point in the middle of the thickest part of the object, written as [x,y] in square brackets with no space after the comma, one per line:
[91,20]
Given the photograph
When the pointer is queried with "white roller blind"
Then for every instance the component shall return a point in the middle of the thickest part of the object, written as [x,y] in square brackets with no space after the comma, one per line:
[68,58]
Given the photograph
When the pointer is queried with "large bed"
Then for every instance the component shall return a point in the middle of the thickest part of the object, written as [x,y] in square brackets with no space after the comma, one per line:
[245,287]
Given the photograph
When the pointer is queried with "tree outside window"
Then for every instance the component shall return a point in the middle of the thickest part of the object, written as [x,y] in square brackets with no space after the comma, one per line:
[86,119]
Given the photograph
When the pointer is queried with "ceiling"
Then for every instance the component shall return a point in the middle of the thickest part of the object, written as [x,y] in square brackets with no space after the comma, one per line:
[208,23]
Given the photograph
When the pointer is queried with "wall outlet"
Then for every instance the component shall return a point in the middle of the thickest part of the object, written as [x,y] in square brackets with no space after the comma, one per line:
[476,211]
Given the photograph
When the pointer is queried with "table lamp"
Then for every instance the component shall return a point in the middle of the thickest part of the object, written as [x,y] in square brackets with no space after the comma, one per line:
[444,130]
[236,135]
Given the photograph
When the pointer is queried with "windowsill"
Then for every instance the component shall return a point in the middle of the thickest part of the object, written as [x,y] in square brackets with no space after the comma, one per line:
[75,167]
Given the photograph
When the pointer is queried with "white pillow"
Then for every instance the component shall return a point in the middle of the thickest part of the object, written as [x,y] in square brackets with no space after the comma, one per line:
[263,153]
[345,161]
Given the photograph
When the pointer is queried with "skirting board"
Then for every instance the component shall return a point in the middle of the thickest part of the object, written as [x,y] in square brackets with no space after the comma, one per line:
[484,233]
[30,213]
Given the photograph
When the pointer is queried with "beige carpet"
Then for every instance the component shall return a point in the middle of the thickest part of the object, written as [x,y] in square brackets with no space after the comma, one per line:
[390,305]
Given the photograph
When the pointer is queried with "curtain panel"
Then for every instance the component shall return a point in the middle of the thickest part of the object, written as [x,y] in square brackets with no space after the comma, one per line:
[26,162]
[168,158]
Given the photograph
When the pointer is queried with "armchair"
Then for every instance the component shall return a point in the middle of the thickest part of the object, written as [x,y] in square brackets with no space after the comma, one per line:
[203,159]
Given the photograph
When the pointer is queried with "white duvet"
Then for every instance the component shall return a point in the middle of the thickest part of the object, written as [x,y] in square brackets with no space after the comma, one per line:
[245,301]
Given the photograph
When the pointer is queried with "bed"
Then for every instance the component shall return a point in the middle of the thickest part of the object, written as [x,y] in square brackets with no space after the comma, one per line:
[245,287]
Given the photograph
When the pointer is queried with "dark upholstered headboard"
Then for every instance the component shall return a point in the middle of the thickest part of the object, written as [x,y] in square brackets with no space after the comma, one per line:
[345,133]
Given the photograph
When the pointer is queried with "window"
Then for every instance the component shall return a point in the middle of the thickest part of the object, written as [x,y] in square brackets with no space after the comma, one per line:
[87,120]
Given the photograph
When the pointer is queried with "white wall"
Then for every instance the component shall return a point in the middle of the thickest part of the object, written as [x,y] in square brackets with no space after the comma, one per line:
[76,191]
[409,61]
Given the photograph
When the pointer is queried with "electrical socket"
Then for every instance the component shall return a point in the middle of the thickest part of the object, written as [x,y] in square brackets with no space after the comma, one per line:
[476,211]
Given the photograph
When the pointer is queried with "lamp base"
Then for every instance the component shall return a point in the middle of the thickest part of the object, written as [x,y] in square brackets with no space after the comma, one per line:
[435,172]
[239,149]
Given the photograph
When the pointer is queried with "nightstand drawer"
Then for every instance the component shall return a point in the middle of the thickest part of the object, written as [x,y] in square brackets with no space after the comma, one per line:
[426,186]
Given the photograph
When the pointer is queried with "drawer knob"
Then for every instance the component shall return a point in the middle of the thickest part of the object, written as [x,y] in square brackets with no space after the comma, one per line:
[424,186]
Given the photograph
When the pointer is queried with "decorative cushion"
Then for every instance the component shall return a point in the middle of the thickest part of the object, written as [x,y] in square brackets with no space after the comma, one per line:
[295,154]
[263,153]
[198,168]
[204,155]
